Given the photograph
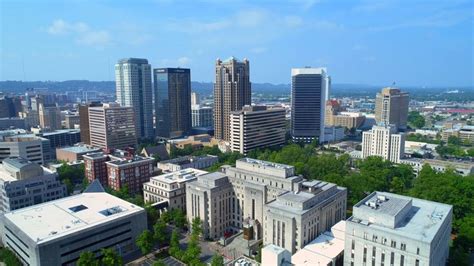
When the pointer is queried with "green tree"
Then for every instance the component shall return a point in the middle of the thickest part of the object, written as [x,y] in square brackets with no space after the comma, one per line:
[179,218]
[174,243]
[159,231]
[217,260]
[87,258]
[416,120]
[145,242]
[159,263]
[8,257]
[196,227]
[110,258]
[453,140]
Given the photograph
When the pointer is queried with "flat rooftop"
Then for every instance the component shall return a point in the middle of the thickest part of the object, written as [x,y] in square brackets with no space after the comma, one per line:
[79,149]
[417,219]
[266,163]
[135,159]
[59,218]
[179,176]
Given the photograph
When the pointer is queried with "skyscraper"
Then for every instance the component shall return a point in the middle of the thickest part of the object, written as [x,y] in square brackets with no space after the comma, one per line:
[309,89]
[232,90]
[172,101]
[49,116]
[391,107]
[84,121]
[133,88]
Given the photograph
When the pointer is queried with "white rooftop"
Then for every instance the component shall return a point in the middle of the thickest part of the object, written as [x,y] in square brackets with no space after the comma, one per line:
[308,70]
[179,176]
[59,218]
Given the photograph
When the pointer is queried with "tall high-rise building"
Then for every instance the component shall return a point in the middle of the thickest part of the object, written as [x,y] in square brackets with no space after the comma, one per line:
[232,90]
[383,141]
[172,101]
[49,116]
[256,127]
[391,107]
[133,88]
[194,98]
[84,121]
[390,229]
[309,90]
[112,126]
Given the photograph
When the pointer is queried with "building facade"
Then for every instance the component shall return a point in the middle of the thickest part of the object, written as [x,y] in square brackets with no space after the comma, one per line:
[133,89]
[202,116]
[391,107]
[195,98]
[209,198]
[84,121]
[49,117]
[256,127]
[24,183]
[384,142]
[57,232]
[131,173]
[172,101]
[95,167]
[112,126]
[74,153]
[309,90]
[25,146]
[170,187]
[390,229]
[232,90]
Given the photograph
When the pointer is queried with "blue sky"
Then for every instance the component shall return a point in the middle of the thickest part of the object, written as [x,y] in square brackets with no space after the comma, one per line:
[412,42]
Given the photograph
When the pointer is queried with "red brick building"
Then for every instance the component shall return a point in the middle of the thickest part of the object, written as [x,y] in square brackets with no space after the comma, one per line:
[131,172]
[95,167]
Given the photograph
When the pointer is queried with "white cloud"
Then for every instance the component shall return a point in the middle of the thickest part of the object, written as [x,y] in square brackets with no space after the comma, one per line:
[258,50]
[81,31]
[183,61]
[251,17]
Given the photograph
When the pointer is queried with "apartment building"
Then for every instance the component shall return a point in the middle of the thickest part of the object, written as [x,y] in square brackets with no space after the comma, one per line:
[389,229]
[95,167]
[170,187]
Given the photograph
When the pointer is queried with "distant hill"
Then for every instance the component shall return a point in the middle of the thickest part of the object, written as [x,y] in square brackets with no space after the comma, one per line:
[205,88]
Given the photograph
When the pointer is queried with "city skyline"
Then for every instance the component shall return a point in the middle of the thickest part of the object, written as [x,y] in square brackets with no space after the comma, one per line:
[363,42]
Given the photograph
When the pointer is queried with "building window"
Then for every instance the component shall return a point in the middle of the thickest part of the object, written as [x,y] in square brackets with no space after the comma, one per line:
[402,260]
[403,246]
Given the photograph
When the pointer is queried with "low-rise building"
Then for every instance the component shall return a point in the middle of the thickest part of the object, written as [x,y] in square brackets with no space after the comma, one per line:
[95,167]
[463,168]
[180,163]
[29,147]
[295,218]
[57,232]
[74,153]
[170,187]
[464,133]
[130,172]
[24,183]
[333,134]
[390,229]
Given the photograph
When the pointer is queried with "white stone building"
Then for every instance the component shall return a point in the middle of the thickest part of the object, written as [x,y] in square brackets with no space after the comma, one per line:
[383,141]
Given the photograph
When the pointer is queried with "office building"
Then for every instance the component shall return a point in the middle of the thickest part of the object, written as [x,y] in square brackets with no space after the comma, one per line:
[74,153]
[464,168]
[31,118]
[84,121]
[256,127]
[309,90]
[62,137]
[49,117]
[195,98]
[133,89]
[232,90]
[57,232]
[464,133]
[95,167]
[112,126]
[129,172]
[180,163]
[389,229]
[71,121]
[24,183]
[170,187]
[383,141]
[172,101]
[391,107]
[209,198]
[12,122]
[295,218]
[333,107]
[29,147]
[202,116]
